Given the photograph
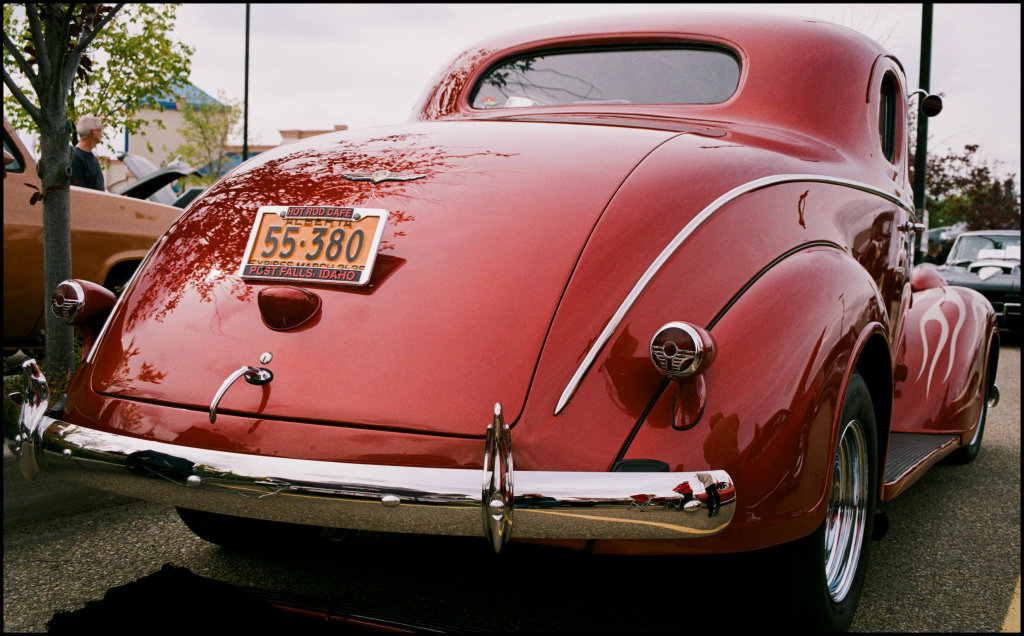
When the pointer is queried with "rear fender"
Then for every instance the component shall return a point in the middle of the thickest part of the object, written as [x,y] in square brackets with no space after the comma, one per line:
[609,312]
[941,368]
[785,349]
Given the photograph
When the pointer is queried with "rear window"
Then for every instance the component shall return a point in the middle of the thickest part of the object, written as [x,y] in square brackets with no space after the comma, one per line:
[666,75]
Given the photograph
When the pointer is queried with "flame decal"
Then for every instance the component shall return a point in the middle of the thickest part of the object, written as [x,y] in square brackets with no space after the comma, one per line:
[936,314]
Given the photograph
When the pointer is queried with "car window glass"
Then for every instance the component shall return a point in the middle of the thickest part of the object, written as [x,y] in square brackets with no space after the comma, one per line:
[632,76]
[976,246]
[887,117]
[17,165]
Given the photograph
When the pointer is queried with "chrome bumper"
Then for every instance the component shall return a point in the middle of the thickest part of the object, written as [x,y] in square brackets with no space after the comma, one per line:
[443,501]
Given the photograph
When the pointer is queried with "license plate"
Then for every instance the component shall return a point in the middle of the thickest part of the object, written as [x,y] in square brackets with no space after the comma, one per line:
[314,244]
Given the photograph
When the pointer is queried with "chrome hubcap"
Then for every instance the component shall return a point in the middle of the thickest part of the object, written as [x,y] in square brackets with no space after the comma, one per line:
[846,521]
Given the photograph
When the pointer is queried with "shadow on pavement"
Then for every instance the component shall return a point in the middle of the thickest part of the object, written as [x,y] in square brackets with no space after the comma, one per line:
[174,599]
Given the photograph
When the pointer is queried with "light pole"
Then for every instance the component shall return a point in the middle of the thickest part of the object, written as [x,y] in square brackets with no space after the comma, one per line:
[245,105]
[921,155]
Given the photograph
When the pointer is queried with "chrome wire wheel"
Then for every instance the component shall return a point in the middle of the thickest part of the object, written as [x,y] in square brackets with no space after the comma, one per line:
[822,574]
[847,516]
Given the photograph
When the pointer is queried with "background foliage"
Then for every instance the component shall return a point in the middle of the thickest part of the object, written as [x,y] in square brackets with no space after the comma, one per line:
[133,58]
[962,186]
[206,132]
[64,60]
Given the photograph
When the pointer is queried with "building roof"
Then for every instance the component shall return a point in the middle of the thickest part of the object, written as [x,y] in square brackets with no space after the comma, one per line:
[189,94]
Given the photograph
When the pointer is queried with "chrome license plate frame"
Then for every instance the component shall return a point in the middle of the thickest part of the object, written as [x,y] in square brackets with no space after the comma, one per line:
[330,245]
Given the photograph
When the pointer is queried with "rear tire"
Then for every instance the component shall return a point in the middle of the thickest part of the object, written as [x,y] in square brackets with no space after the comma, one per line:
[241,533]
[826,570]
[967,454]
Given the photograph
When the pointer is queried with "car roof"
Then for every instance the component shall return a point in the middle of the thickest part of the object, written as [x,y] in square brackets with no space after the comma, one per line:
[991,233]
[807,76]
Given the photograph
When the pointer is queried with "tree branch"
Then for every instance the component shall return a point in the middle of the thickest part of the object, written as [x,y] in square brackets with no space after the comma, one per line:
[89,36]
[25,102]
[19,59]
[67,16]
[75,55]
[55,29]
[36,29]
[69,58]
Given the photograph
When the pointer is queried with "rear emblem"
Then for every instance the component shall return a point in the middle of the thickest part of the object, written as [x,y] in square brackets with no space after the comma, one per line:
[381,175]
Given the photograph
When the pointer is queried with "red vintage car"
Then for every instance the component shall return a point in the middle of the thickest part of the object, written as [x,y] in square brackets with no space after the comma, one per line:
[642,286]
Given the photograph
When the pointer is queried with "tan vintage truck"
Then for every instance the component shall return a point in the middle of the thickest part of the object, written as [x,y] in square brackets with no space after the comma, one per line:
[110,235]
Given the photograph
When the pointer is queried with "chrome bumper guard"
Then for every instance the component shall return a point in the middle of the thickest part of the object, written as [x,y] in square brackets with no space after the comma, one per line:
[442,501]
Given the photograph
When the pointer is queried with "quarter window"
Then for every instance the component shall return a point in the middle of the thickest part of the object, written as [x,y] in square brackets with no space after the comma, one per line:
[887,117]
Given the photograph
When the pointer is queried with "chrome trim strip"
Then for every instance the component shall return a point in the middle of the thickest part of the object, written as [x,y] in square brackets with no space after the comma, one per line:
[685,233]
[437,501]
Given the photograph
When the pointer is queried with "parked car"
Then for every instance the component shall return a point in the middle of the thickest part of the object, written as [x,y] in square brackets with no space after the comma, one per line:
[641,286]
[110,235]
[939,242]
[153,183]
[988,261]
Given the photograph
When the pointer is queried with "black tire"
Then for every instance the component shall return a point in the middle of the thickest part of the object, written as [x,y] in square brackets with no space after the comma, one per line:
[967,454]
[824,572]
[240,533]
[119,275]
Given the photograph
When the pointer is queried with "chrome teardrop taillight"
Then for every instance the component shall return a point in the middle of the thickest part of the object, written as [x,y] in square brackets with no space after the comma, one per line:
[76,302]
[85,305]
[67,301]
[680,350]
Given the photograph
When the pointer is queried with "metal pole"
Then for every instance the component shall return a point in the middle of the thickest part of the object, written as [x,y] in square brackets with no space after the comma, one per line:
[921,156]
[245,113]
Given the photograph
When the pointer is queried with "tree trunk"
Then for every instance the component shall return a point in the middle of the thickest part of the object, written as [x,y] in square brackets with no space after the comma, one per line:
[55,61]
[54,170]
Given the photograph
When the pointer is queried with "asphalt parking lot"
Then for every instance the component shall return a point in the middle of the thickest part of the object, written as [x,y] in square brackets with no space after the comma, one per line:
[950,562]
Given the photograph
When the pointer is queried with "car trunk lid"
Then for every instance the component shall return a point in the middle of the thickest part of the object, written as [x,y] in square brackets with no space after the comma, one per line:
[472,264]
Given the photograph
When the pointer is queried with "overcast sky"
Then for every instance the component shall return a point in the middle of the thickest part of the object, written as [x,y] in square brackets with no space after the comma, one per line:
[316,65]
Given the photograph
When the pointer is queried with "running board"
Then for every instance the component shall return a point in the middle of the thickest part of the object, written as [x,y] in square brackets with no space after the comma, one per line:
[910,455]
